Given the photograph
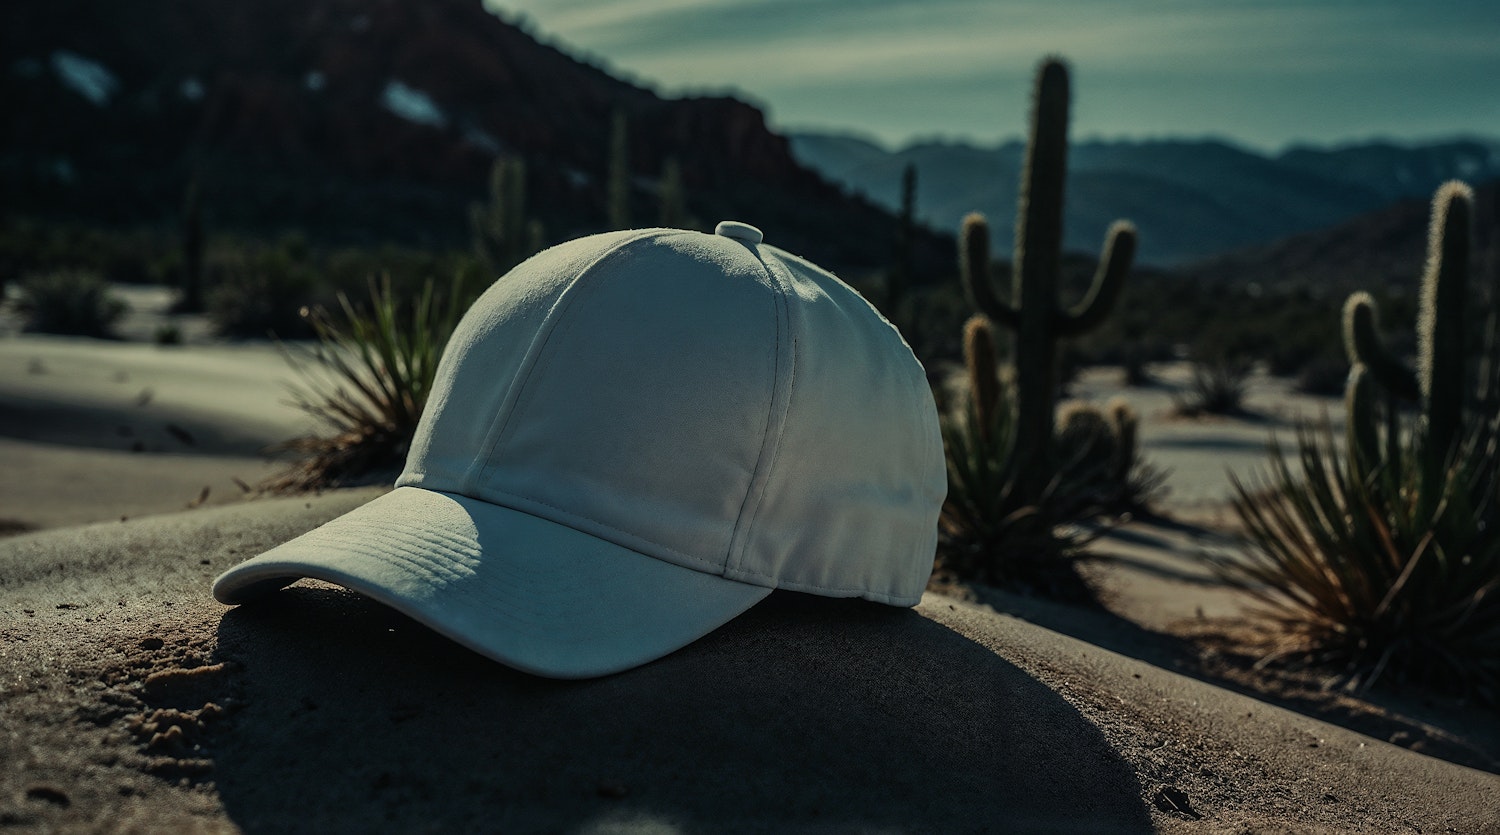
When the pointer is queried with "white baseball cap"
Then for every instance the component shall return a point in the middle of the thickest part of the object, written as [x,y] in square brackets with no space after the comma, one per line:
[634,437]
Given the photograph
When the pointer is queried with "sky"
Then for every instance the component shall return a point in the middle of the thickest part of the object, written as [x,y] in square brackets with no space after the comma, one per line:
[1263,73]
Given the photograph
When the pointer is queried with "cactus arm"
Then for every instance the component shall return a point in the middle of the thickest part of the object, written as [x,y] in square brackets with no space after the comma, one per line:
[984,376]
[1363,345]
[1119,251]
[1440,331]
[974,267]
[1364,437]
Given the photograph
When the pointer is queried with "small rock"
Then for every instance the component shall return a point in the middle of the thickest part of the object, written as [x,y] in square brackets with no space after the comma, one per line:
[152,643]
[49,794]
[1174,800]
[184,687]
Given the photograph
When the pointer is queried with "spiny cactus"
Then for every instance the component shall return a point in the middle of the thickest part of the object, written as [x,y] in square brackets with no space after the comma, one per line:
[984,376]
[618,199]
[1382,552]
[672,201]
[503,235]
[1033,311]
[1439,381]
[1125,424]
[898,279]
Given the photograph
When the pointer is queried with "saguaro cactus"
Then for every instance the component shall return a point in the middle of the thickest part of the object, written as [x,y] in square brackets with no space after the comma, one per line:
[1439,381]
[618,199]
[898,279]
[1033,311]
[503,235]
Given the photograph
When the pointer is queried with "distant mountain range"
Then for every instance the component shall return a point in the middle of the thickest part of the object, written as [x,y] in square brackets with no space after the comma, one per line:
[1190,199]
[1386,248]
[375,121]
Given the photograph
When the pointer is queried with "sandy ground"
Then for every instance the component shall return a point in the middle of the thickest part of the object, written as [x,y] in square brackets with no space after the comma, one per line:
[129,699]
[93,430]
[132,700]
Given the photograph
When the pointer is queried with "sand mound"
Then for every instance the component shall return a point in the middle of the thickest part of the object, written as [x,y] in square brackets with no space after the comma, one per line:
[131,699]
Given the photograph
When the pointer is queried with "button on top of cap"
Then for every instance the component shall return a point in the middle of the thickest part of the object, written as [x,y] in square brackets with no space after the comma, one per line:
[742,232]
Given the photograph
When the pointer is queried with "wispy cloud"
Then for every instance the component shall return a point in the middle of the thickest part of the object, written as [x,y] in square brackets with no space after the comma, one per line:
[832,58]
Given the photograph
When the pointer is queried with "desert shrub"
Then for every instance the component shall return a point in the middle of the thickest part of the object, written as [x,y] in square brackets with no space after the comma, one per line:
[1101,470]
[1218,384]
[348,270]
[987,532]
[125,256]
[1381,555]
[366,380]
[71,302]
[261,293]
[1322,376]
[1369,580]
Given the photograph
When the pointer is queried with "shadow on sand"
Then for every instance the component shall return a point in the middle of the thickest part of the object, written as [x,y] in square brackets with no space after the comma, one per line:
[1401,718]
[803,714]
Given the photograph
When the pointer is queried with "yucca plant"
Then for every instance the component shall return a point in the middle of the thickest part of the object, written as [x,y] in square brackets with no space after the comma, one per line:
[366,380]
[1361,577]
[1383,556]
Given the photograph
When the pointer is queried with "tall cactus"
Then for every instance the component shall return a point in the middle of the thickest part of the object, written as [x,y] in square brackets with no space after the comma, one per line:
[1439,381]
[503,234]
[1034,312]
[617,204]
[898,279]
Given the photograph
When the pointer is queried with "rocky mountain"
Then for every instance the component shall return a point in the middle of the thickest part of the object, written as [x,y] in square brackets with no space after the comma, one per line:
[372,121]
[1191,199]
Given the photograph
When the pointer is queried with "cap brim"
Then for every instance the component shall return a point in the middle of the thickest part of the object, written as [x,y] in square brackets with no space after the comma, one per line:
[530,593]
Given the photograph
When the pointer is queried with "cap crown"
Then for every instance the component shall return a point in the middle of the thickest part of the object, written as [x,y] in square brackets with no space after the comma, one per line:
[714,403]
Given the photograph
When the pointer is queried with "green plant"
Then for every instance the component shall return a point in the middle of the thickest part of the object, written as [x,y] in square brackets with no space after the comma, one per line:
[503,234]
[1438,381]
[672,196]
[72,302]
[1033,312]
[262,293]
[1361,578]
[898,279]
[1020,477]
[986,532]
[367,380]
[617,206]
[981,517]
[167,334]
[1381,553]
[1218,385]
